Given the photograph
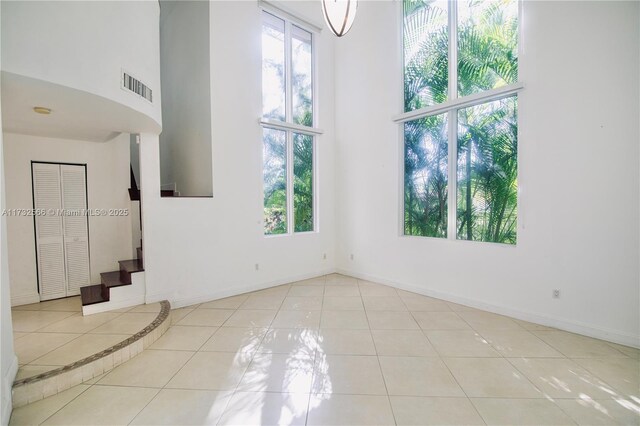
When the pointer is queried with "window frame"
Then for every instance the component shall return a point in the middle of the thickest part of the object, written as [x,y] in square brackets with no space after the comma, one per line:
[451,106]
[288,125]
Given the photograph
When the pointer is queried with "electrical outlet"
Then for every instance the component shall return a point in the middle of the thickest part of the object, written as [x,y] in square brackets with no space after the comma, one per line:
[556,294]
[257,266]
[351,257]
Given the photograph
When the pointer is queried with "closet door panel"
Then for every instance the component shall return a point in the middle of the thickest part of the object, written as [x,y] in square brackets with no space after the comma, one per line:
[76,230]
[49,231]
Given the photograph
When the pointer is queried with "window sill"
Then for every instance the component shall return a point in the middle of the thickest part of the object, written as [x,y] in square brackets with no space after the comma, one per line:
[281,125]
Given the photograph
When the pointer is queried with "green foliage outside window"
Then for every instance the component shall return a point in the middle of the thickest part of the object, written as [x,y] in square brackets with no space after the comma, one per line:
[302,182]
[426,176]
[280,146]
[487,39]
[275,181]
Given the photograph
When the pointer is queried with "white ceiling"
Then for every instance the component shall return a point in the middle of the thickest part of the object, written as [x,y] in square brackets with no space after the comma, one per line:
[75,114]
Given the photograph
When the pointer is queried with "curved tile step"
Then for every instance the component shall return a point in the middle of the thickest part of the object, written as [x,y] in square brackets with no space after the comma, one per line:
[35,388]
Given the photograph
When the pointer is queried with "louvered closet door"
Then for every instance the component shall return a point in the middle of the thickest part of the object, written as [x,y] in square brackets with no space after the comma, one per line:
[49,231]
[76,232]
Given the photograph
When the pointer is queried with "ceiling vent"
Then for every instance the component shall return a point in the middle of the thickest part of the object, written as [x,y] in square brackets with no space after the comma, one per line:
[136,86]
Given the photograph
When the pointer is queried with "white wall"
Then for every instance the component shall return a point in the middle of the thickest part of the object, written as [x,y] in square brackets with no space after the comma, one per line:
[578,159]
[85,45]
[8,359]
[185,141]
[107,183]
[198,249]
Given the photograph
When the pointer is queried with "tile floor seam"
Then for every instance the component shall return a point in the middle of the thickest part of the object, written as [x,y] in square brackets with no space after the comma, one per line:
[68,343]
[494,346]
[315,355]
[475,330]
[454,377]
[384,381]
[551,400]
[54,322]
[575,422]
[550,344]
[97,383]
[73,399]
[612,347]
[118,385]
[145,406]
[597,376]
[165,385]
[52,350]
[235,390]
[479,333]
[620,394]
[98,326]
[47,325]
[622,355]
[475,407]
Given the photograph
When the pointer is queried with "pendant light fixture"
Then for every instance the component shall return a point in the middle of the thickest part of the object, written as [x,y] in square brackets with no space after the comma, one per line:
[339,15]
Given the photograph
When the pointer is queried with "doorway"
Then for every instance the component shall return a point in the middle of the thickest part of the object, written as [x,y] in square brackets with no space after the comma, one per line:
[61,228]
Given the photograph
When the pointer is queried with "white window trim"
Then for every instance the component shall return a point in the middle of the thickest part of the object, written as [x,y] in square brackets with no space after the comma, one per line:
[461,103]
[297,128]
[288,126]
[284,12]
[451,107]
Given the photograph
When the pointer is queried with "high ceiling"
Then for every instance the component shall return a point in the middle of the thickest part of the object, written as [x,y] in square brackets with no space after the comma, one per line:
[75,114]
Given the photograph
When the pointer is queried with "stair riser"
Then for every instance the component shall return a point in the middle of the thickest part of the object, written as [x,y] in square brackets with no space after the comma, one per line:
[125,276]
[95,293]
[105,292]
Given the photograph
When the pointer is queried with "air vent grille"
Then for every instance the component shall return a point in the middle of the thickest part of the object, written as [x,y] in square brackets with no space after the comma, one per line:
[136,86]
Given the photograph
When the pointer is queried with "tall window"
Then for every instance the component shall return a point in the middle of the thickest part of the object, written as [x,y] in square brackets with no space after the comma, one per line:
[287,121]
[460,119]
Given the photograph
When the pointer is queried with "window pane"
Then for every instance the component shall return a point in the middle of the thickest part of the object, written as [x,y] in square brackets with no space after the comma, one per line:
[302,182]
[301,76]
[425,176]
[487,44]
[426,53]
[273,69]
[275,181]
[488,172]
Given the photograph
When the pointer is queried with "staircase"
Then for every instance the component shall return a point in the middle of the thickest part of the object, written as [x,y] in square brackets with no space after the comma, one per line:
[118,289]
[101,293]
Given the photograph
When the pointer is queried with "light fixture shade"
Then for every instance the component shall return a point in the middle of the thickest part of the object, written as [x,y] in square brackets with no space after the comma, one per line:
[339,15]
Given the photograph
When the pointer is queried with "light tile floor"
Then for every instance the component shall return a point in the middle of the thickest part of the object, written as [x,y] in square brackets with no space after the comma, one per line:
[336,350]
[52,334]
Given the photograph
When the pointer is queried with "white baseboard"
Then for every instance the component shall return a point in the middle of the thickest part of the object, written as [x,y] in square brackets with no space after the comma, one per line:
[613,336]
[7,384]
[26,299]
[177,302]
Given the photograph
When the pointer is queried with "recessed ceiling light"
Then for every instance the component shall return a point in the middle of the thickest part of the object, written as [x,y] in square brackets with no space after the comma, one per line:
[42,110]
